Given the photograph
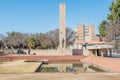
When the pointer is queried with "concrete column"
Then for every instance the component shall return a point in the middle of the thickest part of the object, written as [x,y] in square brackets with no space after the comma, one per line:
[110,52]
[96,52]
[102,55]
[106,53]
[62,26]
[86,52]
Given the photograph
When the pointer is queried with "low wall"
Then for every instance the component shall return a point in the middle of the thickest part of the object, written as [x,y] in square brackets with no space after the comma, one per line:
[49,52]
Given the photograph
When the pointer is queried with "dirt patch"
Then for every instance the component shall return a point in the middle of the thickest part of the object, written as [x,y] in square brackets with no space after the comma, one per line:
[18,66]
[61,76]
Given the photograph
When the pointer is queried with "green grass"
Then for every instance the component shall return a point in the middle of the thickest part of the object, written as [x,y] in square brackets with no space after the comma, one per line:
[48,69]
[96,69]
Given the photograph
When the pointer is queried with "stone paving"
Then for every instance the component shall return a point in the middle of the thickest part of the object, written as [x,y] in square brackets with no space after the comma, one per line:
[110,64]
[36,57]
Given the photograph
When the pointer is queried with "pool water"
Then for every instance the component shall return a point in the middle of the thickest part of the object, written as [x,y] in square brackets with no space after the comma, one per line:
[61,68]
[67,67]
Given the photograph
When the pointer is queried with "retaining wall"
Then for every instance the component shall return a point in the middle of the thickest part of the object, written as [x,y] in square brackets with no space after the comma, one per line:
[48,52]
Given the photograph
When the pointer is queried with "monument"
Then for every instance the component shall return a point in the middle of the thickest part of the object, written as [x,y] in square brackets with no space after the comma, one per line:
[62,26]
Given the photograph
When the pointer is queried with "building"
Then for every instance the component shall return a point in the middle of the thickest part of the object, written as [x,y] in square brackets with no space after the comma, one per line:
[87,43]
[85,40]
[85,33]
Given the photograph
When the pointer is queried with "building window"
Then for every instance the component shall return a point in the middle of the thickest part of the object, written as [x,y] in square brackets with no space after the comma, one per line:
[87,35]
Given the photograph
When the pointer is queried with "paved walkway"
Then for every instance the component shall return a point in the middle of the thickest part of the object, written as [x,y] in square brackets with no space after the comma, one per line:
[110,64]
[36,57]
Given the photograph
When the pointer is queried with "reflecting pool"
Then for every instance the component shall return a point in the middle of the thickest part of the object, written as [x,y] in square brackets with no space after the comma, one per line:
[68,67]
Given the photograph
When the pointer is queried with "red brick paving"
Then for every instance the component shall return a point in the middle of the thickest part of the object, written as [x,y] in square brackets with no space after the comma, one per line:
[107,63]
[31,57]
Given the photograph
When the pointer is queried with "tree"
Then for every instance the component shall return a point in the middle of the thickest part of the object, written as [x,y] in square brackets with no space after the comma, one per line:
[25,39]
[2,37]
[14,39]
[31,43]
[110,28]
[102,28]
[69,37]
[38,40]
[53,36]
[111,33]
[114,16]
[1,44]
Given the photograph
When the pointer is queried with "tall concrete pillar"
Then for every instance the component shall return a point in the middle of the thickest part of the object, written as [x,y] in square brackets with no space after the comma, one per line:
[111,52]
[102,54]
[96,52]
[108,52]
[62,26]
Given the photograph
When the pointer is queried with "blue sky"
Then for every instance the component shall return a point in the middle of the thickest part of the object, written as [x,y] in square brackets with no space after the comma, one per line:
[35,16]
